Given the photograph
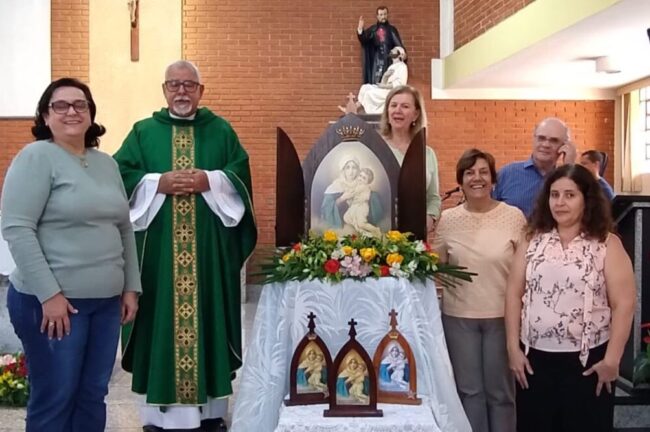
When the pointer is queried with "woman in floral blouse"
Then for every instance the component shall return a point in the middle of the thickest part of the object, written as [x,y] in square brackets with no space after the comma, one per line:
[569,305]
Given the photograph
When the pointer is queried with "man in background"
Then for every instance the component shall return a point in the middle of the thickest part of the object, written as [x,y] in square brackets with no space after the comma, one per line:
[593,161]
[518,183]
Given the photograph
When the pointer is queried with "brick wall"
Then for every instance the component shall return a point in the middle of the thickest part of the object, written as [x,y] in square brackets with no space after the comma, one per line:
[69,58]
[70,39]
[14,134]
[288,64]
[474,17]
[282,63]
[269,64]
[504,128]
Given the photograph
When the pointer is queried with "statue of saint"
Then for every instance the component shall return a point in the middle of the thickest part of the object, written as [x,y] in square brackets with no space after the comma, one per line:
[377,41]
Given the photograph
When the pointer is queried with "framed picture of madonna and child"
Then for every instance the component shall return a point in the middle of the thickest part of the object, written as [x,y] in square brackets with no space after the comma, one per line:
[311,365]
[395,368]
[353,384]
[350,182]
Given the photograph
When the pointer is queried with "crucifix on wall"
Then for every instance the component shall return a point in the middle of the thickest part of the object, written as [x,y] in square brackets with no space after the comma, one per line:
[134,9]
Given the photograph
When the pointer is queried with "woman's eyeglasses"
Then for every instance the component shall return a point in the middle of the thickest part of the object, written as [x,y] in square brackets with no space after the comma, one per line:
[62,107]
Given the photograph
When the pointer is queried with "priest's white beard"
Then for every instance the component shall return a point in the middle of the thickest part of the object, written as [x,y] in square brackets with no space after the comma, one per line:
[182,106]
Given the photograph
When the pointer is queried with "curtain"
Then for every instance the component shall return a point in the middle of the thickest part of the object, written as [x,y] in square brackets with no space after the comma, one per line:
[631,154]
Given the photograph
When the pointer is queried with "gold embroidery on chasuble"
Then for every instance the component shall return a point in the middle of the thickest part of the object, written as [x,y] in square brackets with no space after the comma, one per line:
[186,322]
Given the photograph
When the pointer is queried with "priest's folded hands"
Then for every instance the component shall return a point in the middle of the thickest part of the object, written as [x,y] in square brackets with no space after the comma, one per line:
[183,182]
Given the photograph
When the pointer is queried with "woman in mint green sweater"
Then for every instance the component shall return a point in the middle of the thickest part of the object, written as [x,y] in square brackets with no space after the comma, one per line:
[65,217]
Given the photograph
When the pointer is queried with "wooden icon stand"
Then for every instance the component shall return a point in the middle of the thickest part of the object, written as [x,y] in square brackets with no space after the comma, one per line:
[311,365]
[353,383]
[300,186]
[394,364]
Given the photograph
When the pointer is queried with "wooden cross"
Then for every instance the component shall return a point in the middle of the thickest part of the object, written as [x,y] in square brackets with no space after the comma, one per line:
[393,319]
[352,331]
[312,325]
[134,9]
[351,106]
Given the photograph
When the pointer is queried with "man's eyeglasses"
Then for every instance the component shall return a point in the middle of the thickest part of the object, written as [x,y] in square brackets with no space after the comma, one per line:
[175,85]
[551,140]
[62,107]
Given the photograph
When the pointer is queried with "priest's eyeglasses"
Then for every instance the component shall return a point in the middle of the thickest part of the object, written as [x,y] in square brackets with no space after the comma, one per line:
[62,107]
[175,85]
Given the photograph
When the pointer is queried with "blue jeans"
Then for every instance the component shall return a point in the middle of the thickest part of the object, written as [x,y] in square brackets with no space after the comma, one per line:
[68,378]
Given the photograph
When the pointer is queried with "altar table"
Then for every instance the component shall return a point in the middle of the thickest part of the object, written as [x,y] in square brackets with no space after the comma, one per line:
[403,418]
[281,322]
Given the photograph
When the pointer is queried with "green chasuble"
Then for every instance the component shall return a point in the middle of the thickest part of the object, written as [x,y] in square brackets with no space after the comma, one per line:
[185,343]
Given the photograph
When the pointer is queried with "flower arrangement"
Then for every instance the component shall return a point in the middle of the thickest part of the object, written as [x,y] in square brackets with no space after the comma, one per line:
[641,373]
[14,387]
[334,258]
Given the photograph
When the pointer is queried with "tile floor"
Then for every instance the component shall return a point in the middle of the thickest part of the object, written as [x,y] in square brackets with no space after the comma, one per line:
[122,404]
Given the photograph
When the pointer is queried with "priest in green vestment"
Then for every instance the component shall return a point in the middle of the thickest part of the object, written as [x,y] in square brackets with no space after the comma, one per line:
[189,184]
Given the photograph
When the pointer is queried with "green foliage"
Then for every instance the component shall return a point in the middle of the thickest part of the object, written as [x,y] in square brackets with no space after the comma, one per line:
[334,258]
[641,373]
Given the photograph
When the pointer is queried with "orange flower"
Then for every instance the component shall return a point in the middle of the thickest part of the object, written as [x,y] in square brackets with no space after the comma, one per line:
[368,254]
[330,236]
[394,258]
[394,236]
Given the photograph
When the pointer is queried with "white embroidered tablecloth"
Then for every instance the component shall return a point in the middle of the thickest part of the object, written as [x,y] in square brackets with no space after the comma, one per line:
[403,418]
[280,324]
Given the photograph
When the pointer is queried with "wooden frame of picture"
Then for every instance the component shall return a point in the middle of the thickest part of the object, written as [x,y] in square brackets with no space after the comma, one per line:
[308,373]
[353,383]
[301,188]
[395,367]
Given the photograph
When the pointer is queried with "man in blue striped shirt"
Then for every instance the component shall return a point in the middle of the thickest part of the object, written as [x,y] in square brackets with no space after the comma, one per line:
[519,182]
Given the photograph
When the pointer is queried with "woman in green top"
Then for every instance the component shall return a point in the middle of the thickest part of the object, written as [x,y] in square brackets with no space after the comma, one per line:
[65,217]
[403,117]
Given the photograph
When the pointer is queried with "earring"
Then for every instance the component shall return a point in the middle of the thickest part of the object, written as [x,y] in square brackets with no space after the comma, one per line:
[413,124]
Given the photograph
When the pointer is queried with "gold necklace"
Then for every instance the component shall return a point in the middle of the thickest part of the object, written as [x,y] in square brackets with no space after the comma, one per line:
[83,158]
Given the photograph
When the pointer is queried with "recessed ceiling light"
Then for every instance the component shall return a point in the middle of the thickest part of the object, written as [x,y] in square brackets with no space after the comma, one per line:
[607,64]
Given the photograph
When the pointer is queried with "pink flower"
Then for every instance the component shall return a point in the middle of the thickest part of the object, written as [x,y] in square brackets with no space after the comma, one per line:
[7,360]
[353,266]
